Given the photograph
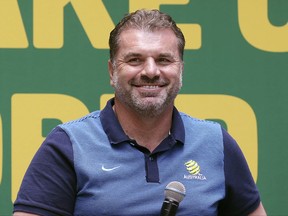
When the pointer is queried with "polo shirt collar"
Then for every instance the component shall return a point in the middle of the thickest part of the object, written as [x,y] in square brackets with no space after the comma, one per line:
[116,134]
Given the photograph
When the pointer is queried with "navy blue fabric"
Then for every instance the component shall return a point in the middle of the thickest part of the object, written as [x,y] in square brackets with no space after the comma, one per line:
[238,179]
[49,185]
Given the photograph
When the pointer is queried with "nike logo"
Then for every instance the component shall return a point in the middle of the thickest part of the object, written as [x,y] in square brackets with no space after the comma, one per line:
[109,169]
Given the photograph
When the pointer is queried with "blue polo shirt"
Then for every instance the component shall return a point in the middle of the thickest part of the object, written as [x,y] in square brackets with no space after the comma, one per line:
[91,167]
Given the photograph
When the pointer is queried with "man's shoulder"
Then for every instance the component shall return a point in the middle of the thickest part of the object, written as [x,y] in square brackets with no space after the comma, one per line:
[82,122]
[86,118]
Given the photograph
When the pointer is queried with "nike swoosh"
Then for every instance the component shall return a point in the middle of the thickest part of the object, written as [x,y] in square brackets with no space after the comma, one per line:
[109,169]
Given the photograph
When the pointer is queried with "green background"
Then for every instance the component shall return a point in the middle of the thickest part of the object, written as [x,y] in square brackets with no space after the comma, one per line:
[225,64]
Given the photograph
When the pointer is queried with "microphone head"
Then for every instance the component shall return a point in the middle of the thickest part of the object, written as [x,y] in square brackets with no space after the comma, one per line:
[175,191]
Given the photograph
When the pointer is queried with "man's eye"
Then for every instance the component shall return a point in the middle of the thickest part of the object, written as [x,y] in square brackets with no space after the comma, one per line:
[134,61]
[164,61]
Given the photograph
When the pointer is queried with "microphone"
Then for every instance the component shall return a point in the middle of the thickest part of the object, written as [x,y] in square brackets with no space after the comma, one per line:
[174,194]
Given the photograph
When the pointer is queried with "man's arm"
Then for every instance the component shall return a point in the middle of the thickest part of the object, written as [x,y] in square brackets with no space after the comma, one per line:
[50,172]
[260,211]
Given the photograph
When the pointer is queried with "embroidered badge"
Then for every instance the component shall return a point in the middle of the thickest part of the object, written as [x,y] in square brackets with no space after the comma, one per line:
[194,170]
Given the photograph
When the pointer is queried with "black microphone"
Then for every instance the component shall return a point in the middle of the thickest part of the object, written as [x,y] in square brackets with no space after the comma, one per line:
[174,194]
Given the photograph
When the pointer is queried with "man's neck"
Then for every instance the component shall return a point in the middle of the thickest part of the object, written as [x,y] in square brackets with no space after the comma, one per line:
[146,130]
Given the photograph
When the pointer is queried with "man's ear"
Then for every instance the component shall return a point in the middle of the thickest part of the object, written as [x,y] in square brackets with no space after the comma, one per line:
[111,71]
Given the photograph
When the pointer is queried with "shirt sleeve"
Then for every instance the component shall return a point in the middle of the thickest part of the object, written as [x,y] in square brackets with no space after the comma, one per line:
[49,185]
[242,196]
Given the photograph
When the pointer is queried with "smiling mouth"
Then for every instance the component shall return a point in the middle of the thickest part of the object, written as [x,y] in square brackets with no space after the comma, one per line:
[149,86]
[149,90]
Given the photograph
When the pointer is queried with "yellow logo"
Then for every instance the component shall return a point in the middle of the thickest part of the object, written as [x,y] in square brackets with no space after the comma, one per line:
[192,167]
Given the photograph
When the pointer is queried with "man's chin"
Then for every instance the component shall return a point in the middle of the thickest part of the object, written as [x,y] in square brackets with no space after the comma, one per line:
[150,106]
[151,101]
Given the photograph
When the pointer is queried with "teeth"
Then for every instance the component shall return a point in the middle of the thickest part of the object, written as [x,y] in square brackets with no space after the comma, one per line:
[151,87]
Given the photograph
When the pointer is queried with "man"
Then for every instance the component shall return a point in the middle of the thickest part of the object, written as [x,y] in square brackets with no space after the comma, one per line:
[118,161]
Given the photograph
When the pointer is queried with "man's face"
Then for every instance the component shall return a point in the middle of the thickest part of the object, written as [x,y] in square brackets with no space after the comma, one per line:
[147,74]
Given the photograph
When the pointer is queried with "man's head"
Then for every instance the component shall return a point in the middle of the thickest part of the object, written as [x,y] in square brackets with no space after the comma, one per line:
[148,20]
[146,62]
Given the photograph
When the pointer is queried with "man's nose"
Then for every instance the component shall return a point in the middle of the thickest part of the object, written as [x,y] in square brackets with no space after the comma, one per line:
[150,68]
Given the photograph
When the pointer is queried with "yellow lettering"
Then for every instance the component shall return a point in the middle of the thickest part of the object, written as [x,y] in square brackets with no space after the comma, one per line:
[192,32]
[28,111]
[193,35]
[256,28]
[49,22]
[236,113]
[1,150]
[95,20]
[12,31]
[153,4]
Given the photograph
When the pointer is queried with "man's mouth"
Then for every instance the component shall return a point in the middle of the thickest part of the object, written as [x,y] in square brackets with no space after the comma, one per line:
[149,86]
[149,90]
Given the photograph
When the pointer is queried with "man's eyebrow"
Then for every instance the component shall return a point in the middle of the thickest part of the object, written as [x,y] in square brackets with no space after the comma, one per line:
[165,55]
[132,54]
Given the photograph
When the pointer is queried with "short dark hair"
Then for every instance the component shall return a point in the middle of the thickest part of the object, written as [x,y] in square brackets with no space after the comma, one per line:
[149,20]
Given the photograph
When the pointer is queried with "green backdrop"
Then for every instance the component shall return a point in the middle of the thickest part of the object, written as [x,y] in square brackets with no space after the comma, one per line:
[53,68]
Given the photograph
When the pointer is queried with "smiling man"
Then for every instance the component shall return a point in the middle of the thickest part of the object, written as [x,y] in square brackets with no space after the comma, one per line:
[117,161]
